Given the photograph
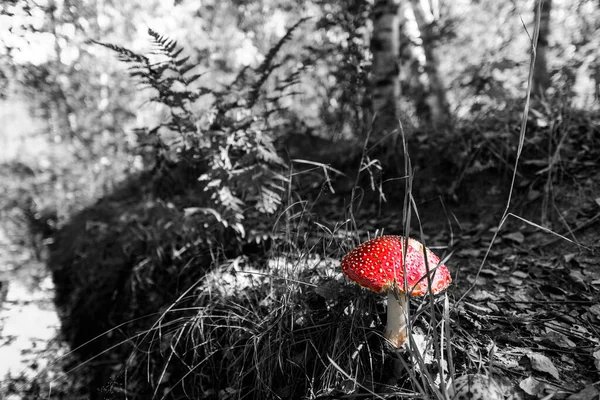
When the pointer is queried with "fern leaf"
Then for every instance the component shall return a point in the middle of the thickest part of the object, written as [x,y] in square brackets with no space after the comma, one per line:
[180,62]
[186,68]
[192,78]
[266,67]
[177,53]
[163,43]
[124,54]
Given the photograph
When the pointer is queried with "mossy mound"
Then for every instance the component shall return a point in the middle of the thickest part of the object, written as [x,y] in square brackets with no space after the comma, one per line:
[118,263]
[160,303]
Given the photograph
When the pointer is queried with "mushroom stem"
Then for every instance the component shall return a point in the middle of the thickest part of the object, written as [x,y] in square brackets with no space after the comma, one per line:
[395,331]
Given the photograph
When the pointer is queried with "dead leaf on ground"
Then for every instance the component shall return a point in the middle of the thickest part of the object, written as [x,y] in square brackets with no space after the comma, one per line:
[469,253]
[532,386]
[558,339]
[541,363]
[515,237]
[520,274]
[478,309]
[482,295]
[508,359]
[588,393]
[596,355]
[515,282]
[577,276]
[488,271]
[595,309]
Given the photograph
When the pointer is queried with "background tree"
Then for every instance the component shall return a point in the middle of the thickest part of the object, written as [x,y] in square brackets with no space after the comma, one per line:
[385,86]
[541,75]
[427,91]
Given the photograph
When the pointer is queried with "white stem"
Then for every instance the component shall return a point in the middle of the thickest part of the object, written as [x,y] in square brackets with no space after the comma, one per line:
[395,331]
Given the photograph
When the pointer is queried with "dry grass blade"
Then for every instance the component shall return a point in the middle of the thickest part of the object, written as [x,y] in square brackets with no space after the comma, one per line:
[353,379]
[523,129]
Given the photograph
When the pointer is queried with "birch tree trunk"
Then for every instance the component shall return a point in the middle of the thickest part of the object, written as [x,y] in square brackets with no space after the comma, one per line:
[385,48]
[58,103]
[541,76]
[431,102]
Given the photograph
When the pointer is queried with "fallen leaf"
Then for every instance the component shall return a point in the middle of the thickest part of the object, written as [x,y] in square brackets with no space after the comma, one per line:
[520,274]
[515,281]
[581,331]
[541,363]
[501,280]
[588,393]
[515,237]
[558,339]
[469,253]
[595,309]
[477,309]
[508,360]
[591,272]
[577,276]
[532,386]
[479,280]
[421,347]
[487,271]
[596,355]
[493,307]
[482,295]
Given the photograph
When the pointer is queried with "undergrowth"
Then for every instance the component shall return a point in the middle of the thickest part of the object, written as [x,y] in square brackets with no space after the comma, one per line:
[227,144]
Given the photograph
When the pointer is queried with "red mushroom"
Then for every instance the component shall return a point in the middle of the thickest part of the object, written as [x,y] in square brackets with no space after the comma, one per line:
[377,265]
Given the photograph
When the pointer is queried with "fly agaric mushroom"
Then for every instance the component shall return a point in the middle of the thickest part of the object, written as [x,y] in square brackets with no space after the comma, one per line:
[377,265]
[475,387]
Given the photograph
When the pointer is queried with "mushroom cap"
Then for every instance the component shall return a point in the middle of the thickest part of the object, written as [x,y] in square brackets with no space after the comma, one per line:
[475,387]
[377,263]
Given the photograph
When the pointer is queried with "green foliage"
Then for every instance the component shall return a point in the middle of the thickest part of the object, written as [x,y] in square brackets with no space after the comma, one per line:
[345,52]
[229,141]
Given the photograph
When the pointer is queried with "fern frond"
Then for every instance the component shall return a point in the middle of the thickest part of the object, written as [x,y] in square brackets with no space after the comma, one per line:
[267,66]
[180,62]
[233,138]
[164,44]
[240,79]
[168,47]
[124,54]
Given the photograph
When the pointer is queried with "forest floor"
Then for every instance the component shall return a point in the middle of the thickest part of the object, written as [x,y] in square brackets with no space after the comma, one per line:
[525,303]
[531,310]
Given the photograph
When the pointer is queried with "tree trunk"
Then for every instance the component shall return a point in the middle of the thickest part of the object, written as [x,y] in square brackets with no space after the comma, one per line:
[541,77]
[431,102]
[385,71]
[58,104]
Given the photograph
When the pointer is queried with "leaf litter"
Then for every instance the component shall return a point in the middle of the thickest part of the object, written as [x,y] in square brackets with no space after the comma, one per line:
[541,312]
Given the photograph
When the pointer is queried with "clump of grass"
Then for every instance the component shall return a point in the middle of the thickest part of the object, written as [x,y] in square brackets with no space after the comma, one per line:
[291,328]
